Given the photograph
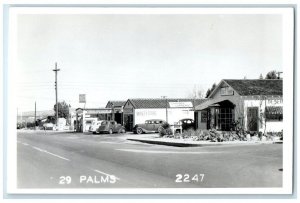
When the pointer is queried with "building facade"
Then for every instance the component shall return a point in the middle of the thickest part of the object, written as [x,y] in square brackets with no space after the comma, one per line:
[253,105]
[137,111]
[85,117]
[117,110]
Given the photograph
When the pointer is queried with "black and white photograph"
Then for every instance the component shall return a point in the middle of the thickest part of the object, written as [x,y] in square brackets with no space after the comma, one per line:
[159,100]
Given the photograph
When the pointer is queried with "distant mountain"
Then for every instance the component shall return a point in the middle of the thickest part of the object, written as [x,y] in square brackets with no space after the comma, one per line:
[44,113]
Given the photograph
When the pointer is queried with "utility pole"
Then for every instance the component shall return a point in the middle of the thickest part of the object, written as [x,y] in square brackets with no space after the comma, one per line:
[35,115]
[56,70]
[165,97]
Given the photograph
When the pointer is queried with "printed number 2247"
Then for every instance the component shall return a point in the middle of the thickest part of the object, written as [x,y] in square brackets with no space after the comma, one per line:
[186,178]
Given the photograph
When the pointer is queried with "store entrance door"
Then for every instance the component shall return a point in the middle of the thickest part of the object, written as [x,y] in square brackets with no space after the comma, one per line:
[252,118]
[128,122]
[118,118]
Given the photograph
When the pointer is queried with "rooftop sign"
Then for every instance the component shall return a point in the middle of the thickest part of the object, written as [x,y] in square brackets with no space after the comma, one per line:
[181,104]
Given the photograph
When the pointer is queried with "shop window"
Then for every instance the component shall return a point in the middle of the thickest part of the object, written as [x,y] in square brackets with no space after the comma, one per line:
[224,118]
[274,113]
[203,116]
[226,91]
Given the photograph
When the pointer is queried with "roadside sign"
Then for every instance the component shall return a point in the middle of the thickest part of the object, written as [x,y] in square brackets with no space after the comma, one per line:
[82,98]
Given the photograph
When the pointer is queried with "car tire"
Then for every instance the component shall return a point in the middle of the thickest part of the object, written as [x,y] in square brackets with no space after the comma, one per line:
[110,131]
[122,130]
[139,131]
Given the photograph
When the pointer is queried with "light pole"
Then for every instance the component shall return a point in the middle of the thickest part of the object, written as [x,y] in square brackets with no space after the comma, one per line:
[56,70]
[165,97]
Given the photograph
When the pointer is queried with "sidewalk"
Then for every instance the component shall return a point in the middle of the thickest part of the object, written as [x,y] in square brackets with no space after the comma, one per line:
[155,139]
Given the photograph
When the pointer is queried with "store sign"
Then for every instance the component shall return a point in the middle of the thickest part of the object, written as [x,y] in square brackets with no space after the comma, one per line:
[99,111]
[128,110]
[181,104]
[146,113]
[117,110]
[82,98]
[274,101]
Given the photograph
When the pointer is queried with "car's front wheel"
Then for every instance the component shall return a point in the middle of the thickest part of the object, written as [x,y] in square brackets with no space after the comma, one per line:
[122,130]
[139,130]
[110,131]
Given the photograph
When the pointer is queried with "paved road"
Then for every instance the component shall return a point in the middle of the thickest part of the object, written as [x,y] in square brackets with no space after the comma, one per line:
[76,160]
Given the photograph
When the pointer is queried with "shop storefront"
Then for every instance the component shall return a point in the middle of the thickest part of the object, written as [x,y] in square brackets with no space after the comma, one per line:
[253,105]
[85,117]
[171,110]
[117,110]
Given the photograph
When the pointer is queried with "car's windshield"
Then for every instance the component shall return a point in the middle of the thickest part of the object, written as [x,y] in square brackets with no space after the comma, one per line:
[104,123]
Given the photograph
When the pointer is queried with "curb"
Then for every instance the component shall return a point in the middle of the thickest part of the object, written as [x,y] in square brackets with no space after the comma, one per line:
[181,144]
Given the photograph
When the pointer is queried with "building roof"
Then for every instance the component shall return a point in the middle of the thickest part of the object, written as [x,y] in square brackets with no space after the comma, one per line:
[256,87]
[160,103]
[115,103]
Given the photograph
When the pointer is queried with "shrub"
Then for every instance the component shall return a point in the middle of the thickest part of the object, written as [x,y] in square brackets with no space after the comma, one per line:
[166,129]
[165,125]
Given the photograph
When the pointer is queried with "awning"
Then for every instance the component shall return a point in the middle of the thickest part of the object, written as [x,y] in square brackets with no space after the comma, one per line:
[211,103]
[274,110]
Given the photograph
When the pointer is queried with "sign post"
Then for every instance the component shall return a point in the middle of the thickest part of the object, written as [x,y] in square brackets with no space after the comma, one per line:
[82,99]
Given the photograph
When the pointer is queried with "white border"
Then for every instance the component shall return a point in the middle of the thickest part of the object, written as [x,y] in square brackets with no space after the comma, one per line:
[287,42]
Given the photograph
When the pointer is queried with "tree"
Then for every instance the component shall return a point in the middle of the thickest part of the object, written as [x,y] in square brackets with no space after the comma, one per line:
[261,77]
[272,75]
[63,109]
[197,93]
[210,90]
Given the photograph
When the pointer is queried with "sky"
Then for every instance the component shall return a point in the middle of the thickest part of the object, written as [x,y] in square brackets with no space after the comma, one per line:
[117,57]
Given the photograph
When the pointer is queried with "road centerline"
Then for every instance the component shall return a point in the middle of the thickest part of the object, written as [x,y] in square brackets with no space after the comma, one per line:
[101,172]
[45,151]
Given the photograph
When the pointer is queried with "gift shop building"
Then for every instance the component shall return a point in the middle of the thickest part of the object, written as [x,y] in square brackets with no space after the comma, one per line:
[254,105]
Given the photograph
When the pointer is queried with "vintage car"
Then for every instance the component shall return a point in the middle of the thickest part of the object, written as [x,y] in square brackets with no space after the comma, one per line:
[187,123]
[48,126]
[88,123]
[95,125]
[184,124]
[110,127]
[153,125]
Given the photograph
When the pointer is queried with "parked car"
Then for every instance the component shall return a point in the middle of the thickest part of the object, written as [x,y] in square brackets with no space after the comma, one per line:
[88,123]
[153,125]
[111,127]
[95,125]
[48,126]
[183,124]
[187,123]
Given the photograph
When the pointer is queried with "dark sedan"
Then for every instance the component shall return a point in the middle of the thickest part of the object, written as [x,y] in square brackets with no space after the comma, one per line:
[153,125]
[110,127]
[187,124]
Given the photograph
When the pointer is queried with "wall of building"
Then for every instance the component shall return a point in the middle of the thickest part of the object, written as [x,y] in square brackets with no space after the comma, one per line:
[262,102]
[174,114]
